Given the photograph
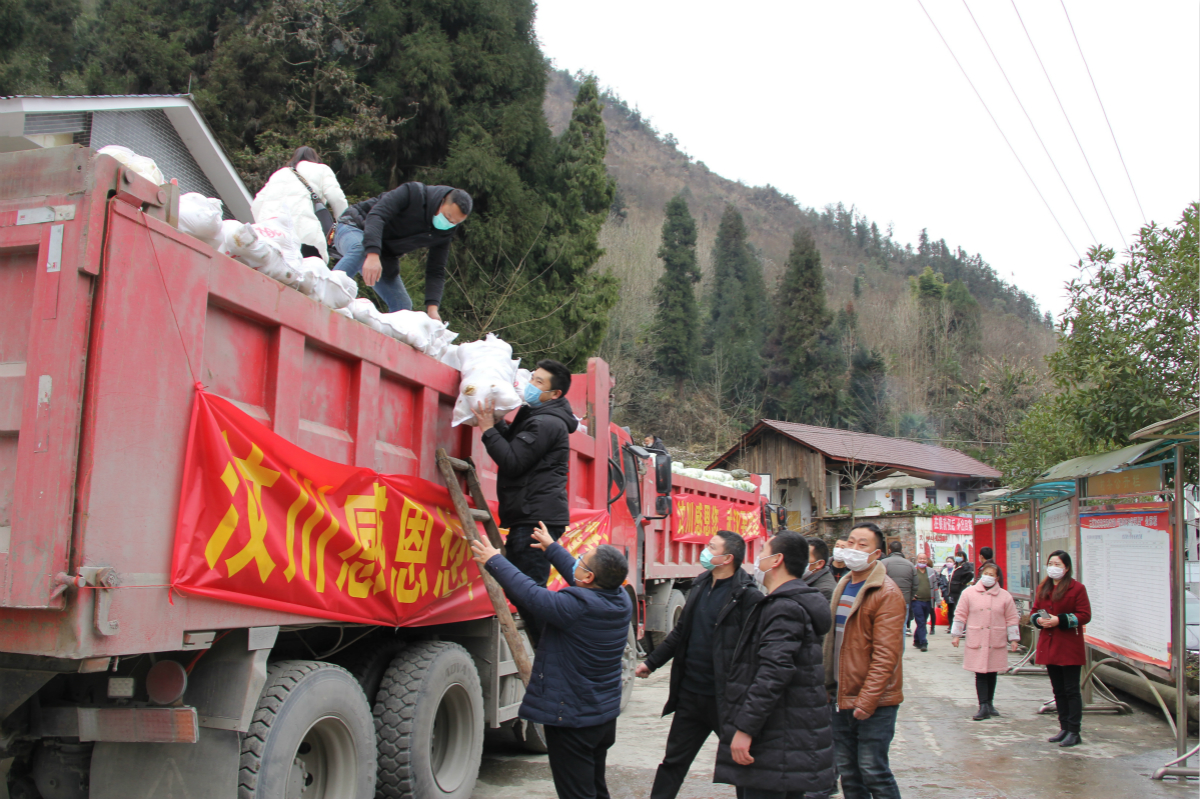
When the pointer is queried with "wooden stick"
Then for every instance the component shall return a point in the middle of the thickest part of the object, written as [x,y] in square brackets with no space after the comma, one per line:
[512,636]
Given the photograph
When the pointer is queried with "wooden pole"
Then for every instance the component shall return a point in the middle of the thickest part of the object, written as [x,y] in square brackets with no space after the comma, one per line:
[512,636]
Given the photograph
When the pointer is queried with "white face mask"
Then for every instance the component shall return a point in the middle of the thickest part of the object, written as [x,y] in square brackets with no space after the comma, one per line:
[1055,572]
[839,554]
[856,560]
[987,580]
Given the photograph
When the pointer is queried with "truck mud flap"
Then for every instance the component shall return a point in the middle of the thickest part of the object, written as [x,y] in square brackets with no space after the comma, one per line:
[207,769]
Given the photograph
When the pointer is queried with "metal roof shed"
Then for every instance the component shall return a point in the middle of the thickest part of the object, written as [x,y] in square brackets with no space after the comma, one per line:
[167,128]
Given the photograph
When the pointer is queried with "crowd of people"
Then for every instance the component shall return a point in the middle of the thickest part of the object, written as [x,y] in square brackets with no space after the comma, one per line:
[796,670]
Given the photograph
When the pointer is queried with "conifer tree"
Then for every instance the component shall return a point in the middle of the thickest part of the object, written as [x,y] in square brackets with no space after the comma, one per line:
[737,302]
[807,363]
[677,339]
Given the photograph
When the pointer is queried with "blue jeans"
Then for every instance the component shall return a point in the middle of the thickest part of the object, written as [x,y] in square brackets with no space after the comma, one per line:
[922,610]
[860,750]
[349,242]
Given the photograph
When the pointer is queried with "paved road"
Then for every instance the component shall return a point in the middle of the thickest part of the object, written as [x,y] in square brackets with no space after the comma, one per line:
[938,752]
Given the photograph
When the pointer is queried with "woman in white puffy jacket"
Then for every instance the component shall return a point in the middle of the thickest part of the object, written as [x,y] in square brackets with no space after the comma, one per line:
[287,189]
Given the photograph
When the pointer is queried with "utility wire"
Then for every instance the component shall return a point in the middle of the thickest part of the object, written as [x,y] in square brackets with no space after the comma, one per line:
[1102,109]
[1120,230]
[999,129]
[1016,97]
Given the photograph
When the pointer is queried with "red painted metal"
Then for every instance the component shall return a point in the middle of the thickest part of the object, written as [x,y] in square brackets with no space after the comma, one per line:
[98,363]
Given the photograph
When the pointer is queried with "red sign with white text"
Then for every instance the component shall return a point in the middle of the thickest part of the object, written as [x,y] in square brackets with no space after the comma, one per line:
[265,523]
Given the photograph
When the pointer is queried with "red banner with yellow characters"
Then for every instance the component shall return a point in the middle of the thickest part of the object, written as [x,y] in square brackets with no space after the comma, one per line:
[697,519]
[263,522]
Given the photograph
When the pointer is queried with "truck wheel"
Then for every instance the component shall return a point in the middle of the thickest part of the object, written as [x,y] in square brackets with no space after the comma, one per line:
[429,723]
[531,736]
[368,663]
[674,610]
[311,736]
[629,663]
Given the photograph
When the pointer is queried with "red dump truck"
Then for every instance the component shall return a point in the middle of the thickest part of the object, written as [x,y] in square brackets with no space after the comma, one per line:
[118,681]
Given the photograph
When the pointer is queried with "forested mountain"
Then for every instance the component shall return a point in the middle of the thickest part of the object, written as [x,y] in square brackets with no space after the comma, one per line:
[852,329]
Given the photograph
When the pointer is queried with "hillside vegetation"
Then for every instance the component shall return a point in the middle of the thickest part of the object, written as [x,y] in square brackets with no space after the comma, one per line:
[959,352]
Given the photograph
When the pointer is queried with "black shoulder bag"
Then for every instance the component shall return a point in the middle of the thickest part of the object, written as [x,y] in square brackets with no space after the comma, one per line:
[323,214]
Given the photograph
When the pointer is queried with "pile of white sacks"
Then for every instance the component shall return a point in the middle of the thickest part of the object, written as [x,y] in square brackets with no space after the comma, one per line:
[270,246]
[732,479]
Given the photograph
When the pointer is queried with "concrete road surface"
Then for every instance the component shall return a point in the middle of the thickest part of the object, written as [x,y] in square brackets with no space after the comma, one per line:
[938,751]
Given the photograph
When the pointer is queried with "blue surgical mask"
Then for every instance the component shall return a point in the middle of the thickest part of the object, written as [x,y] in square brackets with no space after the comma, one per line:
[959,558]
[441,222]
[533,395]
[706,557]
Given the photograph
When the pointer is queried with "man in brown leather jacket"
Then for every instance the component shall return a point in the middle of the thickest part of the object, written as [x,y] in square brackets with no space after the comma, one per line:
[862,668]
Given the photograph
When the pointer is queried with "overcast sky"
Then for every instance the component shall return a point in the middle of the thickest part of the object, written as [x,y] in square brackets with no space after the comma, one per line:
[861,102]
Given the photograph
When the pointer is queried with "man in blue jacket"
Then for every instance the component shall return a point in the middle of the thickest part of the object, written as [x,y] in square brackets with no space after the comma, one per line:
[575,688]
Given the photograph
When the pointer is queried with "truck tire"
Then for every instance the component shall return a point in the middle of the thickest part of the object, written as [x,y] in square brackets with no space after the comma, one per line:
[674,611]
[429,723]
[629,664]
[311,734]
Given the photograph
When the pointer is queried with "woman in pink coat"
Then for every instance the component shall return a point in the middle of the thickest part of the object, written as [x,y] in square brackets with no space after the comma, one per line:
[987,617]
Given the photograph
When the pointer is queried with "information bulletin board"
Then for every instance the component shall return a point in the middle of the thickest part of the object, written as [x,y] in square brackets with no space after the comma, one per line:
[1125,565]
[1017,541]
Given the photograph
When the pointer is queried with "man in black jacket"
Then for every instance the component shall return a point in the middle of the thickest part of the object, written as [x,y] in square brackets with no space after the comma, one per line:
[701,645]
[819,576]
[532,455]
[776,736]
[373,234]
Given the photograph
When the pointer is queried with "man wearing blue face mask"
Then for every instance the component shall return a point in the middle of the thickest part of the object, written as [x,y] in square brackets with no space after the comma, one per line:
[373,234]
[701,647]
[532,454]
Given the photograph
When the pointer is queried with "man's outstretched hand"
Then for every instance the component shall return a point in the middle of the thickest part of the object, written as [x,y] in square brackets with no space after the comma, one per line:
[642,671]
[482,551]
[541,537]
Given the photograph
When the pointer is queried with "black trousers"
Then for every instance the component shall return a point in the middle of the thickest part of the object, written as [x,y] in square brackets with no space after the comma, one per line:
[1068,700]
[695,717]
[534,564]
[577,757]
[985,687]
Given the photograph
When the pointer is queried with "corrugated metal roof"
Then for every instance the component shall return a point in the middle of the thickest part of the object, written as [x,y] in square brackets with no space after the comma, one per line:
[1091,465]
[846,445]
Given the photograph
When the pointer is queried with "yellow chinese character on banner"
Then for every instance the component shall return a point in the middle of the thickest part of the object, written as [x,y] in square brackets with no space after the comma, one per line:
[410,583]
[255,477]
[368,575]
[456,555]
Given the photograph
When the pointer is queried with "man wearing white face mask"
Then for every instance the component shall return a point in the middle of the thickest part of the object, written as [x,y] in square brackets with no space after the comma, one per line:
[838,566]
[863,675]
[700,647]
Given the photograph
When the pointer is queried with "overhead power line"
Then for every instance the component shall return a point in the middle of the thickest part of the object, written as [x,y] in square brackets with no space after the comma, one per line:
[999,129]
[1102,109]
[1120,230]
[1017,97]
